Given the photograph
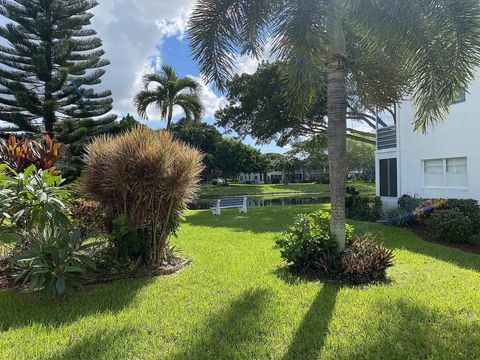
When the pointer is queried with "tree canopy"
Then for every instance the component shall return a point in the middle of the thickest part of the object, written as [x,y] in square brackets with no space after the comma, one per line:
[50,64]
[223,157]
[258,106]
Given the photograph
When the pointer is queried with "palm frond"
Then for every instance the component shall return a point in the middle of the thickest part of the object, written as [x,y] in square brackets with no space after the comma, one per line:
[213,35]
[440,42]
[299,39]
[144,98]
[154,78]
[169,73]
[187,83]
[191,105]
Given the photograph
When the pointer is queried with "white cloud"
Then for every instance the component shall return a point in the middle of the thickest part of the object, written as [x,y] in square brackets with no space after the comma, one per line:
[132,32]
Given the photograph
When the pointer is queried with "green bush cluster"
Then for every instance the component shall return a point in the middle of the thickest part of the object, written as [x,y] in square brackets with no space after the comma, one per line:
[309,246]
[362,207]
[451,225]
[51,255]
[451,220]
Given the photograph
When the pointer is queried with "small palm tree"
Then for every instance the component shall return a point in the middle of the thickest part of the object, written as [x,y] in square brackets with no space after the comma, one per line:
[170,91]
[432,45]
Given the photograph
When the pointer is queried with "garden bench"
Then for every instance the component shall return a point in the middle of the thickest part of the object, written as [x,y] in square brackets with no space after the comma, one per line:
[233,203]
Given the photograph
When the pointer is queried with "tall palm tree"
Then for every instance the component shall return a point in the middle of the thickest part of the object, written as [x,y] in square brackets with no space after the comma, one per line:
[170,91]
[432,45]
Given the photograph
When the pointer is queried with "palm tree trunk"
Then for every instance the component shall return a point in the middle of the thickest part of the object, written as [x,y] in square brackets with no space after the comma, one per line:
[170,115]
[337,145]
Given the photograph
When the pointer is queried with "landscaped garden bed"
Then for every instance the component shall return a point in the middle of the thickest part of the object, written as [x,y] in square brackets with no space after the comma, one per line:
[449,222]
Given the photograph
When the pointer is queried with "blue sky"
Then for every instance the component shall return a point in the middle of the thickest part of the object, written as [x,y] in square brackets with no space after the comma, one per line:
[141,35]
[175,51]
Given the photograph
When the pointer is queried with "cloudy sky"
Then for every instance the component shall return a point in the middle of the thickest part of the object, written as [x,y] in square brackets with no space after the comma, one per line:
[141,35]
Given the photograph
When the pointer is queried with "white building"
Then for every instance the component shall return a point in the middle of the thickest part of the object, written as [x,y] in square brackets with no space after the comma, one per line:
[301,175]
[444,163]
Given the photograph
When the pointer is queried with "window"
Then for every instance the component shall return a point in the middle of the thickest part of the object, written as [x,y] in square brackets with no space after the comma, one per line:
[449,173]
[461,97]
[388,178]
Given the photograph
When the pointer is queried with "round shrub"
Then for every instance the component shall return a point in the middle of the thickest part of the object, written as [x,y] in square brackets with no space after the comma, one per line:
[363,208]
[309,245]
[450,225]
[146,177]
[363,260]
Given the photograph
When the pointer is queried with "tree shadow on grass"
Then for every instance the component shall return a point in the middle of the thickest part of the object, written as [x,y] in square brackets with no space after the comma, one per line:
[406,330]
[18,309]
[257,220]
[310,337]
[106,343]
[236,332]
[402,239]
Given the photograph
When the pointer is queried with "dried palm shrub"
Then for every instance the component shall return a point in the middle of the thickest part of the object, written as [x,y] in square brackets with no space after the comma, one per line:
[146,177]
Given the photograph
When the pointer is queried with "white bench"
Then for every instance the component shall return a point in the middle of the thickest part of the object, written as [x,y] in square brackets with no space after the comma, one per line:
[233,203]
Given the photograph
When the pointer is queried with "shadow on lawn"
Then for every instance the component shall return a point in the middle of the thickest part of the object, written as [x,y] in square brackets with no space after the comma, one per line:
[396,238]
[19,309]
[237,328]
[310,337]
[404,330]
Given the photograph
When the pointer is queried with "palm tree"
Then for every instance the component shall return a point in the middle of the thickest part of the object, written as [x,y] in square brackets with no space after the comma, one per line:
[431,47]
[170,91]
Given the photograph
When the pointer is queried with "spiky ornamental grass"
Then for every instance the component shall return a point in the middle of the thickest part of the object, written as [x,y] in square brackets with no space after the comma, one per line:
[145,176]
[49,65]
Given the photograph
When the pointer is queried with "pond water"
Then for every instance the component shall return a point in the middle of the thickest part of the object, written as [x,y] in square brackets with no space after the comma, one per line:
[203,204]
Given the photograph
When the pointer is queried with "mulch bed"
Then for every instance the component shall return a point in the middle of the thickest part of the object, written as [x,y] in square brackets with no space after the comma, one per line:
[104,276]
[101,276]
[424,234]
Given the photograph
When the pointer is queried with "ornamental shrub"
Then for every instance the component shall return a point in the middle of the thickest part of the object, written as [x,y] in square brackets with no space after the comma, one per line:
[145,176]
[363,260]
[363,208]
[54,261]
[33,198]
[450,225]
[469,208]
[21,154]
[308,245]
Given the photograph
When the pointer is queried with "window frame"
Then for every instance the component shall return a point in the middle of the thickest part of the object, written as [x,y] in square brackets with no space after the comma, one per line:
[445,174]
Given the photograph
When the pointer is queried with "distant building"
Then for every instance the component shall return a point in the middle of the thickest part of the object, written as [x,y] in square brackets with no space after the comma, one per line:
[302,175]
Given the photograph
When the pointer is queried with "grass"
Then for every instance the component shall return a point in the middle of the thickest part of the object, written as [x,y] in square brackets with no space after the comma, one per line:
[235,301]
[269,189]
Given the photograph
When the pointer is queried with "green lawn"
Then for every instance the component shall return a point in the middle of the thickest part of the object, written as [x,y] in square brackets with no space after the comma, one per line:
[268,189]
[235,301]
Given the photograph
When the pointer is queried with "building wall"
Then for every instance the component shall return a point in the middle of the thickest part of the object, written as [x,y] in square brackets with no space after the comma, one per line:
[458,137]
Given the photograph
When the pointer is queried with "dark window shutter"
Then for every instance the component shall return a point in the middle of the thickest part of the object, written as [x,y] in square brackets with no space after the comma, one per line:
[392,164]
[384,177]
[388,178]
